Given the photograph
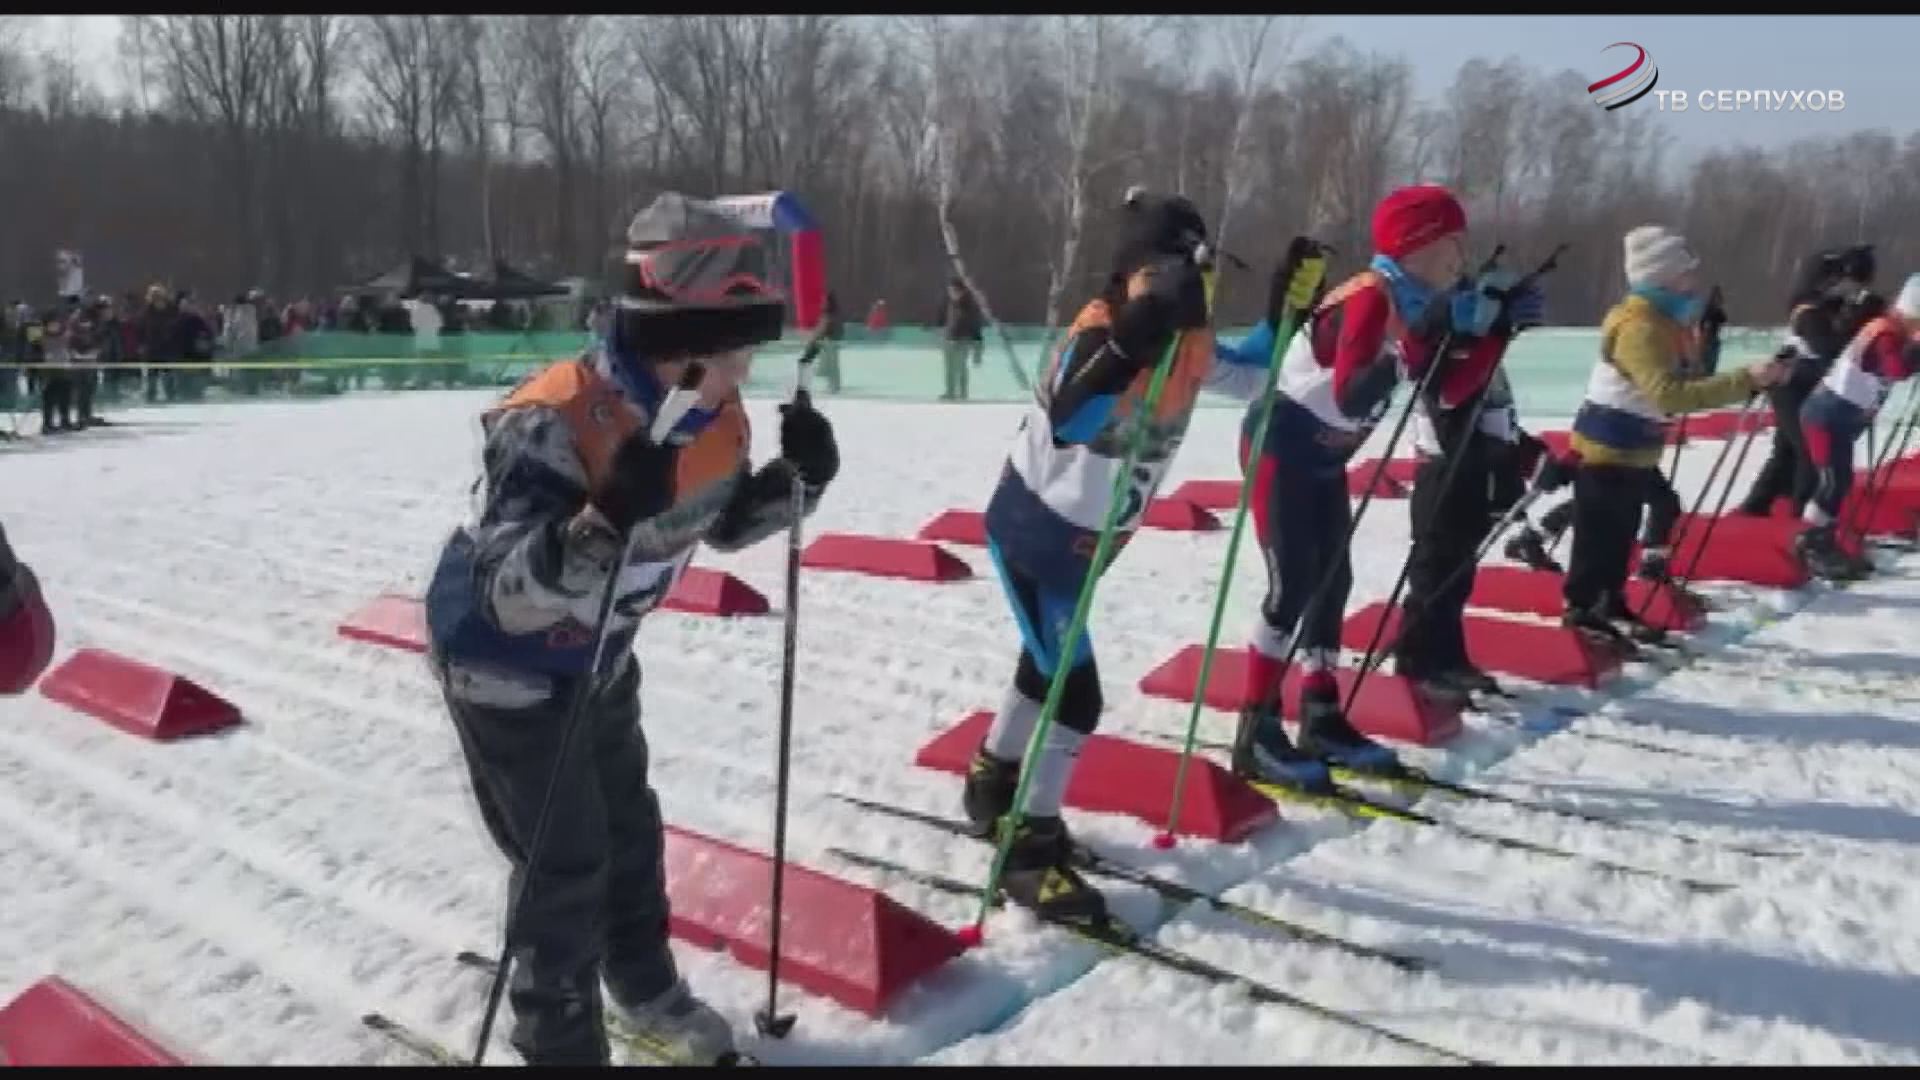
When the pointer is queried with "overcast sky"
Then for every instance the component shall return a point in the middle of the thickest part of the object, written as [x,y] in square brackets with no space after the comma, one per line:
[1868,57]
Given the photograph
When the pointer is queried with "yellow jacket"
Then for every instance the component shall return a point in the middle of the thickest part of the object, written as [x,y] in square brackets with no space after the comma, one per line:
[1640,383]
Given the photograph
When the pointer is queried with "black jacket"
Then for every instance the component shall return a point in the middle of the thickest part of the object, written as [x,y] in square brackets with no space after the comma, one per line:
[962,318]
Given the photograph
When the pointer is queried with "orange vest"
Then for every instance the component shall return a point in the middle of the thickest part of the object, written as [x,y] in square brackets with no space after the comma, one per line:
[1191,362]
[1396,329]
[600,418]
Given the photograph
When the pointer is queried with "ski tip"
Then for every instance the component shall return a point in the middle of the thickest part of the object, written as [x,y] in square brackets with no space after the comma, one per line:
[970,936]
[1164,841]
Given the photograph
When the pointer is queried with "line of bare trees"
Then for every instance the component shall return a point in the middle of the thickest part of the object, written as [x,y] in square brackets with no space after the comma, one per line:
[302,152]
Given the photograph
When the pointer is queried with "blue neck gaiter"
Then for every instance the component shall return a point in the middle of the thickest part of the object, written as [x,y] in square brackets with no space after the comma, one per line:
[636,380]
[1410,296]
[1683,308]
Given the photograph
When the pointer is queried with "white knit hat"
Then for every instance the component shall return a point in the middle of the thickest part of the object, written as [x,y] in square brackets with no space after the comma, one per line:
[1909,301]
[1656,256]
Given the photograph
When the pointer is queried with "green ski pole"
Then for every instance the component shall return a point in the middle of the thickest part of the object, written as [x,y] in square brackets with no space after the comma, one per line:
[1282,335]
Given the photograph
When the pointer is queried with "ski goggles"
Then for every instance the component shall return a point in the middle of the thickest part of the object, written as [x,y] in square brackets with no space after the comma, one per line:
[700,272]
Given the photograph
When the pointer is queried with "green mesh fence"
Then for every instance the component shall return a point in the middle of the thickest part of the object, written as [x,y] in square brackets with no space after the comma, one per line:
[1549,367]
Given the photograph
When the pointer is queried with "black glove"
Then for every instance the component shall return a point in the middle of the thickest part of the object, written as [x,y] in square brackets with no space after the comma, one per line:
[640,484]
[1175,300]
[806,440]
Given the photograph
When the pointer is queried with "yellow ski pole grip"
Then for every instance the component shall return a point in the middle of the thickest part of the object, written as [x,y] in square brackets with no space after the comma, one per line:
[1306,279]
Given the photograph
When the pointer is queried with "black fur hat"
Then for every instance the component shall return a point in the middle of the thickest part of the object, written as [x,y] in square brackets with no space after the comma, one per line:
[694,282]
[1155,227]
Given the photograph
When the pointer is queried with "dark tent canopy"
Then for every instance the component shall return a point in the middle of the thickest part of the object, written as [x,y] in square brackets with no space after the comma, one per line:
[418,275]
[510,284]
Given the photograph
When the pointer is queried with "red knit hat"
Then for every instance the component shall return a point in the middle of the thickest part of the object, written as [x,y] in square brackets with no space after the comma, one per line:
[1413,217]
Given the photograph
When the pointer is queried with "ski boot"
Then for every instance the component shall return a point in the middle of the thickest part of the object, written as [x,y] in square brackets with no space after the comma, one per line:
[1439,690]
[1628,621]
[557,1019]
[1656,569]
[989,791]
[676,1027]
[1326,734]
[1469,680]
[1529,548]
[1821,554]
[1593,625]
[1040,874]
[1262,751]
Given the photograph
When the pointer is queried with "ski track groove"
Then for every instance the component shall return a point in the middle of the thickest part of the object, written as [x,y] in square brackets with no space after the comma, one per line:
[262,949]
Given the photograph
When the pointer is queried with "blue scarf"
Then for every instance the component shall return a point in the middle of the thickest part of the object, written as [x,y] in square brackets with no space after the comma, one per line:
[1683,308]
[636,380]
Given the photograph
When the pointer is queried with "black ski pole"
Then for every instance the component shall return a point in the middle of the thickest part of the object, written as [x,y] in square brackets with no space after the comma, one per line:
[1372,662]
[1369,660]
[769,1021]
[1726,492]
[1270,695]
[671,410]
[1876,469]
[1713,476]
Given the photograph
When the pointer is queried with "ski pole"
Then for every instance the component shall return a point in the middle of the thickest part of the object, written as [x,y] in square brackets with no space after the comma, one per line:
[1454,461]
[675,406]
[1269,700]
[1372,662]
[769,1021]
[1878,470]
[1083,605]
[1306,250]
[1713,475]
[1726,491]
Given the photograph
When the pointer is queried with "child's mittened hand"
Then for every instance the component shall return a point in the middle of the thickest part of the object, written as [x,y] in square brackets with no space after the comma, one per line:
[1527,308]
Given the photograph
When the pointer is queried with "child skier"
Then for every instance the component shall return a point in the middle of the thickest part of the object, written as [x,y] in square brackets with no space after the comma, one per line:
[1052,499]
[1532,546]
[1337,376]
[577,491]
[1620,430]
[1450,508]
[1825,315]
[1883,352]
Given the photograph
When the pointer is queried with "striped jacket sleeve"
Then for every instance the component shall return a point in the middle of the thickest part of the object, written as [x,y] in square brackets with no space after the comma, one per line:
[535,555]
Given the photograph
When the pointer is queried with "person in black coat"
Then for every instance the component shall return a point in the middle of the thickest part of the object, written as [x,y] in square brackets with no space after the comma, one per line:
[962,323]
[829,360]
[1825,314]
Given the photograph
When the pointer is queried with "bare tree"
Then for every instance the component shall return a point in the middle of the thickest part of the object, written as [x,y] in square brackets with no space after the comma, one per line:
[14,76]
[412,68]
[603,82]
[946,116]
[257,150]
[217,70]
[1253,43]
[549,44]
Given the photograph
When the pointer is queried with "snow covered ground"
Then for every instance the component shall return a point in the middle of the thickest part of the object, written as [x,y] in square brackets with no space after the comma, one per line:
[248,896]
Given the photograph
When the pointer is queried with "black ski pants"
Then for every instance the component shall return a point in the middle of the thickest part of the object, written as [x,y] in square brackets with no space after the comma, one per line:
[1607,500]
[597,896]
[1789,470]
[1450,521]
